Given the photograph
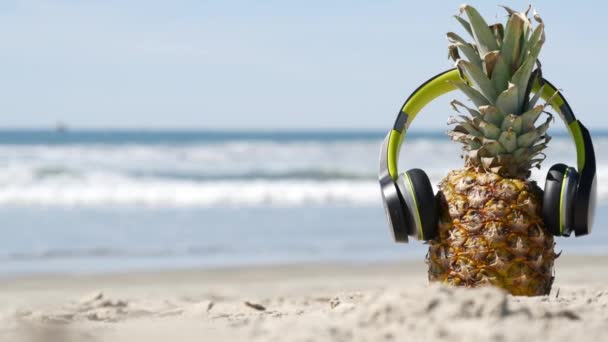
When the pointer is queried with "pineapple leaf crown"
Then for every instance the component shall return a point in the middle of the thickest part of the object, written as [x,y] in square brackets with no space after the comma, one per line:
[498,70]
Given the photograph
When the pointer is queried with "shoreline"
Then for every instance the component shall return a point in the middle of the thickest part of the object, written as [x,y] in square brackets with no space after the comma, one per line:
[407,265]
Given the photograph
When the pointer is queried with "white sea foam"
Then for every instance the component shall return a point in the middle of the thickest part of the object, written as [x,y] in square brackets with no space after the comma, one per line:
[228,173]
[167,193]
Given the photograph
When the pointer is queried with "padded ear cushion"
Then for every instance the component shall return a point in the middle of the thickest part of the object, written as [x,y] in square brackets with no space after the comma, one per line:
[570,188]
[551,197]
[425,204]
[558,199]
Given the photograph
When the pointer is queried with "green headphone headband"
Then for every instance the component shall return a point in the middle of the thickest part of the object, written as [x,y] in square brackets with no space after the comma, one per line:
[444,83]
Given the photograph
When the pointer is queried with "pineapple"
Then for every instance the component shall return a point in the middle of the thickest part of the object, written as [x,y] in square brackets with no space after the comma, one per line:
[491,231]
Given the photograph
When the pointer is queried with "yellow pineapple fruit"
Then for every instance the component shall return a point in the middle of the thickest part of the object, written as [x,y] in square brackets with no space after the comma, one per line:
[491,230]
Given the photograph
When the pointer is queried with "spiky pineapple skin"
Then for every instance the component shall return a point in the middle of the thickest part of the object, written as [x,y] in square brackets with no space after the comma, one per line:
[491,233]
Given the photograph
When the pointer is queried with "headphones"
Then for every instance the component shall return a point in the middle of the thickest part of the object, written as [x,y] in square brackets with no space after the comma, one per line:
[409,202]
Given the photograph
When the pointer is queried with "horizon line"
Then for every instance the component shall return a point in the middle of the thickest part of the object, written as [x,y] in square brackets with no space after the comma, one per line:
[287,130]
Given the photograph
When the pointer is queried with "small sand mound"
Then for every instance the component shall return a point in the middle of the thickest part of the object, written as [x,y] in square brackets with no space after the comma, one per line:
[436,313]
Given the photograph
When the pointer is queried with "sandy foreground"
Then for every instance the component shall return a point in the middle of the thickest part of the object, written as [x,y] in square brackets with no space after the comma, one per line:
[300,303]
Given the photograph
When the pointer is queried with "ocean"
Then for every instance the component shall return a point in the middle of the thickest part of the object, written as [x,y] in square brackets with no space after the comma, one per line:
[117,201]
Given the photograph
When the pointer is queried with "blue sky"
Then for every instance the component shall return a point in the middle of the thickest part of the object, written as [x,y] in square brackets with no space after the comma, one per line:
[259,64]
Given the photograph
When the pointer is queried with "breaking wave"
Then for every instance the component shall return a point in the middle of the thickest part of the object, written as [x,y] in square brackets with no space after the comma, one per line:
[258,172]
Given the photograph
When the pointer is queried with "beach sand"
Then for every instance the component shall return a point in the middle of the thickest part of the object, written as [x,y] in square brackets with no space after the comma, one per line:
[382,302]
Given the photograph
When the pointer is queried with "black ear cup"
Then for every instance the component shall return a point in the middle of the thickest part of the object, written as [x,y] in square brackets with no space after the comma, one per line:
[558,199]
[420,205]
[394,209]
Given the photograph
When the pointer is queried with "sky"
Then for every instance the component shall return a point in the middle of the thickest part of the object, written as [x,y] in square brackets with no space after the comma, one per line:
[260,64]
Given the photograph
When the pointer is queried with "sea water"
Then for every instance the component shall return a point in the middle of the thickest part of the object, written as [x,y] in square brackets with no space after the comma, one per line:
[101,201]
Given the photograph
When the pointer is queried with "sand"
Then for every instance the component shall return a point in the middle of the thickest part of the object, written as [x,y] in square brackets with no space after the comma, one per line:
[380,302]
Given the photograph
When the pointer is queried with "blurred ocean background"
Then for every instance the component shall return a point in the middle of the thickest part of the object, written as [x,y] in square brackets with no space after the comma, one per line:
[101,201]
